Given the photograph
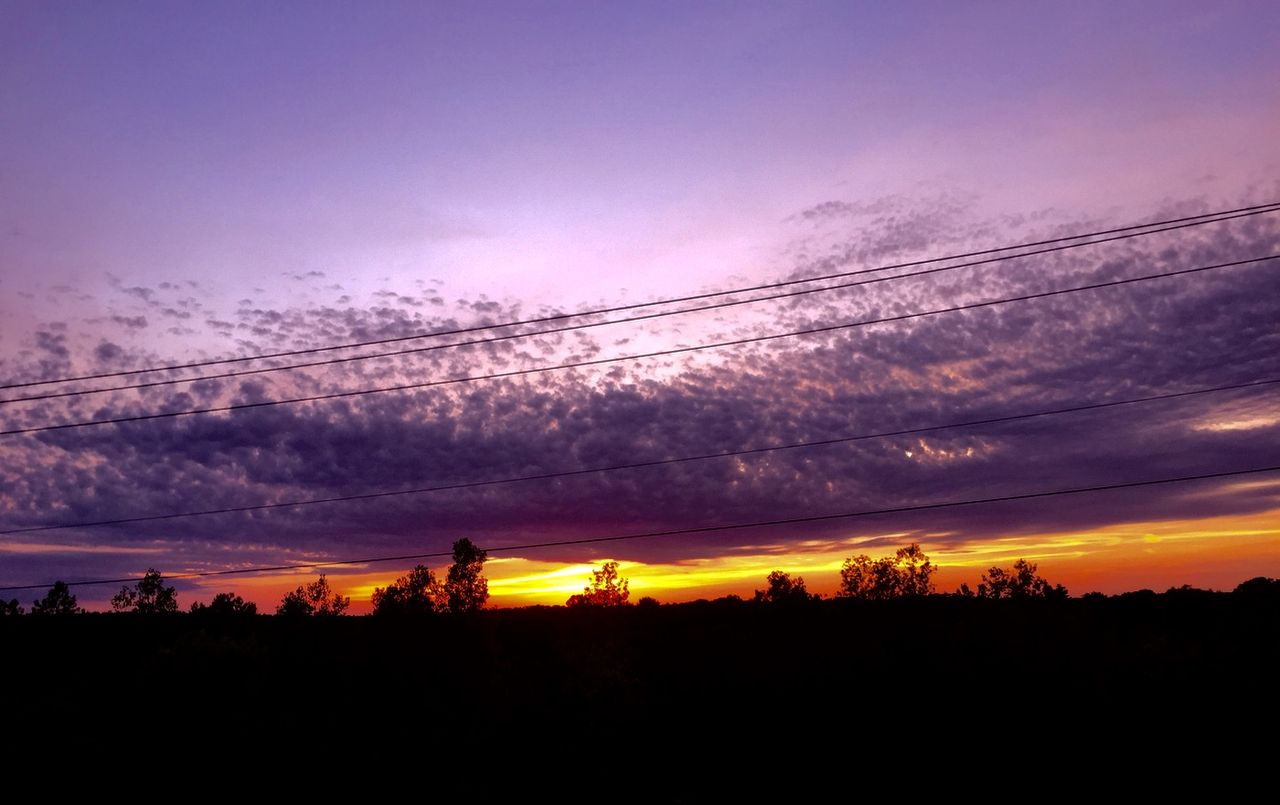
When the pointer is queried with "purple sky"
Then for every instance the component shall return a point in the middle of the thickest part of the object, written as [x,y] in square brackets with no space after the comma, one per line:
[185,180]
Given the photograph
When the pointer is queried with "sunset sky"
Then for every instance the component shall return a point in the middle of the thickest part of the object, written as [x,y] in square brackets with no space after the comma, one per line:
[186,181]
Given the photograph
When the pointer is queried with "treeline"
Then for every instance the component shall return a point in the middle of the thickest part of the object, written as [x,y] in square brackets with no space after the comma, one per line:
[463,589]
[907,574]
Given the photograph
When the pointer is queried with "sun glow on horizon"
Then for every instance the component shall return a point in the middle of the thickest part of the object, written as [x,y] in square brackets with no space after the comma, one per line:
[1216,553]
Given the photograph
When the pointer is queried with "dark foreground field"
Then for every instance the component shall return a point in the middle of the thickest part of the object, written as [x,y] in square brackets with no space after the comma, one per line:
[695,672]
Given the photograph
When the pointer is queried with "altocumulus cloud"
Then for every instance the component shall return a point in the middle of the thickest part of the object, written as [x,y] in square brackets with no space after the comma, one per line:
[1208,329]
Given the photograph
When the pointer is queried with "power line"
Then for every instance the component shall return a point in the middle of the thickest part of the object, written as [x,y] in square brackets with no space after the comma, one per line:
[677,531]
[644,464]
[624,320]
[1205,218]
[641,356]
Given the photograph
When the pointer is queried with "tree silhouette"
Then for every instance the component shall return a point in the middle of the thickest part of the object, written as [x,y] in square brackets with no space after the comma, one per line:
[915,575]
[225,605]
[782,589]
[58,601]
[860,577]
[908,573]
[10,607]
[1020,582]
[607,589]
[149,596]
[465,587]
[1259,588]
[316,598]
[418,593]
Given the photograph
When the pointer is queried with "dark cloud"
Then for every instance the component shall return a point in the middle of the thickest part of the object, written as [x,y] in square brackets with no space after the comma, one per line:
[53,343]
[301,276]
[107,352]
[1165,335]
[145,294]
[835,209]
[131,322]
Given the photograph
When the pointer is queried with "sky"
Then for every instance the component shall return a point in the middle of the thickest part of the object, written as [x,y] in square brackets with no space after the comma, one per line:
[192,181]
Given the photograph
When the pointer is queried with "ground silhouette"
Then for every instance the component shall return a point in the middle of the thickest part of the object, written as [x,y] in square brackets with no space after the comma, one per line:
[671,673]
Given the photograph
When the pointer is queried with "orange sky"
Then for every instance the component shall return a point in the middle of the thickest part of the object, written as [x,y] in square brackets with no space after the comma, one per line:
[1215,553]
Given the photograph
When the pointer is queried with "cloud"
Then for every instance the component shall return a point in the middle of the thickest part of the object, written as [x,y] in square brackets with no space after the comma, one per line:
[1165,335]
[843,209]
[106,352]
[131,322]
[301,276]
[54,344]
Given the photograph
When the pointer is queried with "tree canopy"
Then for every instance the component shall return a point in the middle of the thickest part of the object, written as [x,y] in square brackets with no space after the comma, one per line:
[149,596]
[1021,581]
[10,607]
[417,593]
[465,587]
[782,589]
[316,598]
[1259,587]
[58,601]
[225,605]
[607,589]
[906,574]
